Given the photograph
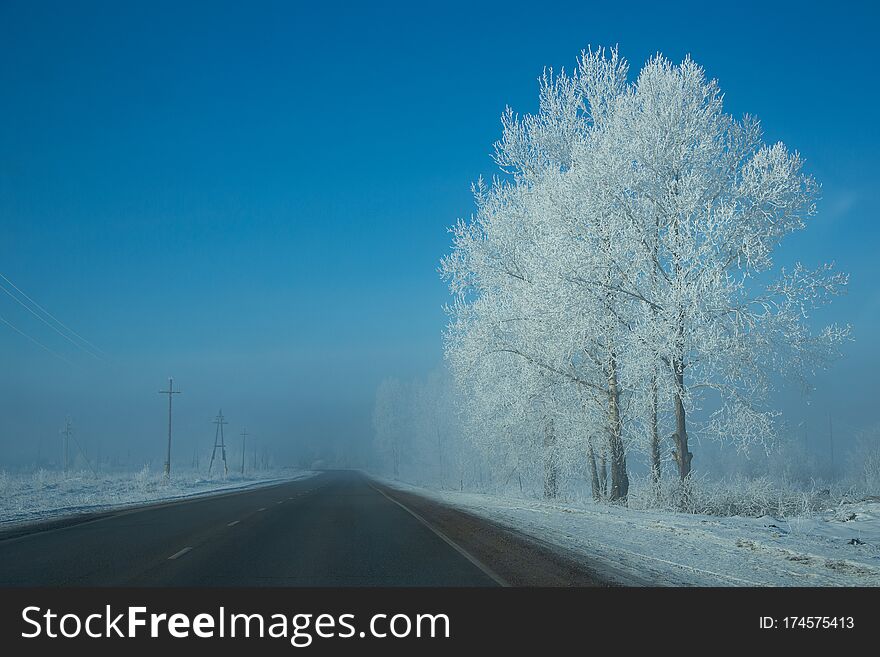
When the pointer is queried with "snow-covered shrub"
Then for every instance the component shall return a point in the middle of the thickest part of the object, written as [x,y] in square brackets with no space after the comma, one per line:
[42,477]
[142,479]
[738,496]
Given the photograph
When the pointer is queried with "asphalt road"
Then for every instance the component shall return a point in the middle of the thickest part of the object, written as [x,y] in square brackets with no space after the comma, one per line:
[334,529]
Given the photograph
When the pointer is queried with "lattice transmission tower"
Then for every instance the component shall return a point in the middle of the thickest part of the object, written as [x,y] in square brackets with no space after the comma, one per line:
[219,441]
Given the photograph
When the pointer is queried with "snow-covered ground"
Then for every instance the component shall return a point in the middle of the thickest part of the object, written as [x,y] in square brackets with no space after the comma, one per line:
[837,547]
[48,494]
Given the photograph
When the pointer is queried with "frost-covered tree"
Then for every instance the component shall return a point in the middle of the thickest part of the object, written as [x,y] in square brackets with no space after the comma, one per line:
[497,342]
[391,423]
[865,458]
[519,268]
[419,433]
[706,202]
[617,277]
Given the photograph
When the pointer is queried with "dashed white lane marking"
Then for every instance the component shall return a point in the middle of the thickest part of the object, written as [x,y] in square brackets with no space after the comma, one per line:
[280,502]
[179,554]
[263,509]
[233,523]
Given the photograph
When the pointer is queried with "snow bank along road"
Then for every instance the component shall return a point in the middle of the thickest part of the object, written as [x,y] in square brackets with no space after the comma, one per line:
[631,547]
[335,529]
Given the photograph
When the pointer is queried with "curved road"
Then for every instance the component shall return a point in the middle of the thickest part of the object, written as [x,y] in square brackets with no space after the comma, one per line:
[334,529]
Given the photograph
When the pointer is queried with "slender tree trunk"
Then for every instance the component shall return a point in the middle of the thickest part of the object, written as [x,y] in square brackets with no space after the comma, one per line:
[603,472]
[682,454]
[551,465]
[619,477]
[594,473]
[655,439]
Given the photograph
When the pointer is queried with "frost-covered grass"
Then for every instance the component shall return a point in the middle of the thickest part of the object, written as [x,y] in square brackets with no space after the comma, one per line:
[48,493]
[743,496]
[773,540]
[753,496]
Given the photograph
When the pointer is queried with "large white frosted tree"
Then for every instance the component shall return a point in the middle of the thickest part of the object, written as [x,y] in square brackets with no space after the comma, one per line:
[617,277]
[518,270]
[705,203]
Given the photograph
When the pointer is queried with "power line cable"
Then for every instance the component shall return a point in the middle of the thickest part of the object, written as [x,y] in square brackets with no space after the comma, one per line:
[90,350]
[34,340]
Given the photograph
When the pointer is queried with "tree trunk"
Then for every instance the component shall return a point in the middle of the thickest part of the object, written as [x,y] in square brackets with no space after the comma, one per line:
[551,465]
[594,473]
[619,477]
[603,473]
[682,455]
[655,439]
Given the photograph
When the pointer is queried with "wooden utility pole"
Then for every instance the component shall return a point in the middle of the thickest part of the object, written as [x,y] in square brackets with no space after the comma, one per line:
[170,392]
[244,435]
[66,445]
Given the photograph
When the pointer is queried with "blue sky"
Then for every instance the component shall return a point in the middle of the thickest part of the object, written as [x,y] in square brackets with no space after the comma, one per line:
[253,197]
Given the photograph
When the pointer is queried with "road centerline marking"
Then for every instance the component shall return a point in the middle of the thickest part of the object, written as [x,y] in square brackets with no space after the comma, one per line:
[262,509]
[179,553]
[233,523]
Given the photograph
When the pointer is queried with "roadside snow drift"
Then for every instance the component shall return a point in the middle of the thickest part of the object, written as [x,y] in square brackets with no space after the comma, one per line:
[44,494]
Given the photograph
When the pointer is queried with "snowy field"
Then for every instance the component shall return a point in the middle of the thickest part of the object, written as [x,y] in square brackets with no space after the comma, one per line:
[49,494]
[837,547]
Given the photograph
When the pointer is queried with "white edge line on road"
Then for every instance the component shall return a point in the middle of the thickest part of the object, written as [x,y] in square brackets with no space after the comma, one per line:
[233,523]
[467,555]
[280,502]
[262,509]
[180,553]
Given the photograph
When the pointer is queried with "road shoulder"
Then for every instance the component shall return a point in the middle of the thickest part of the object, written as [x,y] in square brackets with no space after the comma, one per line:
[513,557]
